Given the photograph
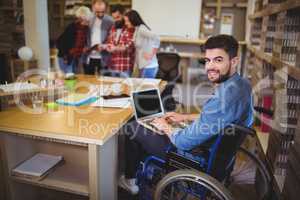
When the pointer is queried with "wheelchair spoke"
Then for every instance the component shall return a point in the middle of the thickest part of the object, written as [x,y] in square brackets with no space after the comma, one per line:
[190,186]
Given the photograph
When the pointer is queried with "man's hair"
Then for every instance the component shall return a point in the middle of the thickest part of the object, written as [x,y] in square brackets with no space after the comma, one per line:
[100,1]
[117,8]
[83,12]
[226,42]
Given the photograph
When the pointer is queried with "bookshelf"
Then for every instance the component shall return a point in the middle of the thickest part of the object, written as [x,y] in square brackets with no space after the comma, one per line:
[275,8]
[11,26]
[273,65]
[70,177]
[62,179]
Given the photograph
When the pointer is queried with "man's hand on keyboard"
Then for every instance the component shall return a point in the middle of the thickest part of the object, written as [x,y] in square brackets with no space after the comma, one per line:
[162,125]
[173,117]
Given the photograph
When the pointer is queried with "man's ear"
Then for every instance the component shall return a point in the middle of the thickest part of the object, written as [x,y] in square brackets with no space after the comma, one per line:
[235,61]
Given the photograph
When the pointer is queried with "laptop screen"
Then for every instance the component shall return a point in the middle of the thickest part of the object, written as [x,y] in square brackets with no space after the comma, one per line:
[147,103]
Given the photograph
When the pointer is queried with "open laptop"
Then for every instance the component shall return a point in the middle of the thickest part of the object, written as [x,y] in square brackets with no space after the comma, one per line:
[147,106]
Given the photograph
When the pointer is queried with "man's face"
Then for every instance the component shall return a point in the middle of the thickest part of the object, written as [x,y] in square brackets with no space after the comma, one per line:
[99,9]
[218,65]
[118,17]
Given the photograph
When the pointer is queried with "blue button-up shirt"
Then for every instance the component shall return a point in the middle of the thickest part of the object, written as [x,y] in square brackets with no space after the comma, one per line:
[231,103]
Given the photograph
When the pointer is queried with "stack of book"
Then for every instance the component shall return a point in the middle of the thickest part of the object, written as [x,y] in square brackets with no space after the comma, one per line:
[287,31]
[37,167]
[290,36]
[291,189]
[279,30]
[270,33]
[256,32]
[285,127]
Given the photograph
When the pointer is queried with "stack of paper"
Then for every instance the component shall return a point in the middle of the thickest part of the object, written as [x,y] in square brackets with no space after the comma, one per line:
[112,103]
[142,81]
[110,79]
[37,166]
[18,87]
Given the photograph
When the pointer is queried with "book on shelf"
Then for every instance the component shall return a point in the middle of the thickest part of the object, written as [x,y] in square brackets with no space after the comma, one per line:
[38,166]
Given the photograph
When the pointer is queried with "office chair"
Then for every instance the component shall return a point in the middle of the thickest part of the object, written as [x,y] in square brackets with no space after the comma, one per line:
[168,71]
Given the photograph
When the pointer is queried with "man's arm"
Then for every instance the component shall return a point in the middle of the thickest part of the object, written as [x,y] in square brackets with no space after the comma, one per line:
[215,116]
[177,117]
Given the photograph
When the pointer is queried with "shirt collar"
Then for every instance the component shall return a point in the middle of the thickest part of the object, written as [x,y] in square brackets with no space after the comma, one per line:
[226,83]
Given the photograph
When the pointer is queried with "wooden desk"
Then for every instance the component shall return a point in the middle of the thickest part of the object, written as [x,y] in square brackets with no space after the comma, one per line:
[86,138]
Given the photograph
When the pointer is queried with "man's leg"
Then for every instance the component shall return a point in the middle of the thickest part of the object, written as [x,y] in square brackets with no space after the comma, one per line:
[149,72]
[66,68]
[139,143]
[92,66]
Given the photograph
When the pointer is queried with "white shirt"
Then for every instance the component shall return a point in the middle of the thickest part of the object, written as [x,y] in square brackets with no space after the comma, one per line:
[118,34]
[96,37]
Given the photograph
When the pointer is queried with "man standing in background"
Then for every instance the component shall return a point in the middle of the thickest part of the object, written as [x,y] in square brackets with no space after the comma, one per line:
[120,45]
[100,26]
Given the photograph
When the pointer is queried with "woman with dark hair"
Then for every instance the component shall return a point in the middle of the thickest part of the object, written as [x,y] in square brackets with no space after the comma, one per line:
[146,45]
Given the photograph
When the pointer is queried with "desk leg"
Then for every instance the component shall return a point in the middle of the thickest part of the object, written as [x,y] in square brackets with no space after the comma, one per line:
[103,170]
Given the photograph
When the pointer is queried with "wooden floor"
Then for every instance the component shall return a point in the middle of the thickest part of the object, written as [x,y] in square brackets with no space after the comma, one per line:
[124,195]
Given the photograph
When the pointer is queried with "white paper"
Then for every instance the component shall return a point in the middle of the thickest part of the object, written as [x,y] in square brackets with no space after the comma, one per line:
[142,81]
[110,79]
[37,165]
[112,103]
[18,87]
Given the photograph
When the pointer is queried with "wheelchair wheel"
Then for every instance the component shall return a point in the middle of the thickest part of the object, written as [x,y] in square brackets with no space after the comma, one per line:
[190,185]
[249,178]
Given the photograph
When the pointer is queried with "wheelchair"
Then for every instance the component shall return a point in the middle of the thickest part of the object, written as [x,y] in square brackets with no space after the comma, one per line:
[217,169]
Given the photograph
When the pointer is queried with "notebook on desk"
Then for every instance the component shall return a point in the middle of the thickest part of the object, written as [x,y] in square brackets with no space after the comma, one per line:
[147,106]
[76,99]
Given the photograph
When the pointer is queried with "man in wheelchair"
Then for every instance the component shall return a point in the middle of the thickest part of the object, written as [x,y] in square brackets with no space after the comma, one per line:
[231,103]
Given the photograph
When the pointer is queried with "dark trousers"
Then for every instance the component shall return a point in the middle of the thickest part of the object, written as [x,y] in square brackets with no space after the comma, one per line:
[94,64]
[139,143]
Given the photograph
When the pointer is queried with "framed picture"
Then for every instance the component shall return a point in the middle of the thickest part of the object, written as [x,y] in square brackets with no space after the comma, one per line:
[226,23]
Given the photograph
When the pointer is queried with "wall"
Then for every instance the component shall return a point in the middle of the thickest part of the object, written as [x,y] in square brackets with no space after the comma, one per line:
[171,17]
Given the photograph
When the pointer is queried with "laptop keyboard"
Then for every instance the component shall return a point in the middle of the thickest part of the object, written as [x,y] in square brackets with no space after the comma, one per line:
[175,126]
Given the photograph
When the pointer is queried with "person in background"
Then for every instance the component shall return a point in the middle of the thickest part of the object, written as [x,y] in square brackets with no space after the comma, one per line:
[146,45]
[100,25]
[230,103]
[120,45]
[72,41]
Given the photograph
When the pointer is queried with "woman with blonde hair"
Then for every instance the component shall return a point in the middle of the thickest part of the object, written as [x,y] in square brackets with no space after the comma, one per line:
[71,43]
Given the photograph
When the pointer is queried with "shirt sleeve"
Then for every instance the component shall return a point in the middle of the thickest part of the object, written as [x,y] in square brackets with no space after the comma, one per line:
[110,37]
[149,35]
[215,116]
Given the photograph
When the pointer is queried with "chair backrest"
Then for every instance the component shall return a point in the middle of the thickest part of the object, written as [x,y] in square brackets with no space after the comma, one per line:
[224,149]
[169,71]
[168,66]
